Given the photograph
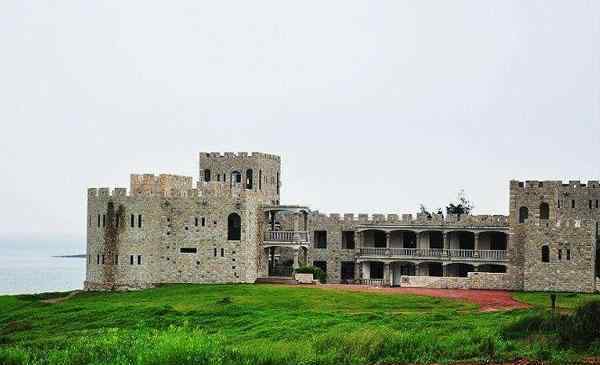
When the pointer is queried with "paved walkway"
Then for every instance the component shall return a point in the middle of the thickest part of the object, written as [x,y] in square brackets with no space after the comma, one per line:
[488,300]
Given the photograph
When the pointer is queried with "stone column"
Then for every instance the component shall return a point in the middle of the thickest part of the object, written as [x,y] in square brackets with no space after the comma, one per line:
[476,254]
[388,236]
[296,258]
[445,270]
[386,274]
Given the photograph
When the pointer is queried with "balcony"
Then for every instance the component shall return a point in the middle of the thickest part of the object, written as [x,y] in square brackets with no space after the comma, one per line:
[278,238]
[434,253]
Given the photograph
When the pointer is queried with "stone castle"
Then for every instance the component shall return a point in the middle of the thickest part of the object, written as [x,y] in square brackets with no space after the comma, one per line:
[232,228]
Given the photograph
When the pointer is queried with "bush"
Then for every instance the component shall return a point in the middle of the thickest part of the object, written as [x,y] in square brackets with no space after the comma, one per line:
[317,273]
[580,329]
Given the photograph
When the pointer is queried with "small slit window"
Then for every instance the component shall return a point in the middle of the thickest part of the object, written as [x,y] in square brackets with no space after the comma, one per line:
[188,250]
[139,221]
[573,204]
[132,221]
[131,259]
[544,211]
[139,259]
[568,254]
[545,254]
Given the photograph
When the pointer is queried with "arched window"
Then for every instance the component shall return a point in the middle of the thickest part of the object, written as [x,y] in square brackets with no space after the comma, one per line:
[249,179]
[206,175]
[544,211]
[523,214]
[545,254]
[234,227]
[236,178]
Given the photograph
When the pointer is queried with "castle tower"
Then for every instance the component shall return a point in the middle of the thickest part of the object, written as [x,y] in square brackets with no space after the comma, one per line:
[554,232]
[256,173]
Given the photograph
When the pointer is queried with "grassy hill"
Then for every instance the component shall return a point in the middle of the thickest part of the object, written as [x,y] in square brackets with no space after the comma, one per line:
[264,324]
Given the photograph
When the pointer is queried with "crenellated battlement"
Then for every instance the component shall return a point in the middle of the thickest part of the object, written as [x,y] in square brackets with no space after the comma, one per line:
[531,185]
[409,219]
[103,193]
[232,155]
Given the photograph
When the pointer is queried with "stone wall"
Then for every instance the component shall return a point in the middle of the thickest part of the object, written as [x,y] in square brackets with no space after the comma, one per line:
[172,229]
[334,254]
[475,280]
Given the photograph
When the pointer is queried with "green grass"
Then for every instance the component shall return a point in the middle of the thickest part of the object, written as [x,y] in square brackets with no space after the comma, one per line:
[263,324]
[568,301]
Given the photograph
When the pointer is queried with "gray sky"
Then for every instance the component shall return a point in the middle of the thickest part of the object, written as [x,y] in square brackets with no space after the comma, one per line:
[374,106]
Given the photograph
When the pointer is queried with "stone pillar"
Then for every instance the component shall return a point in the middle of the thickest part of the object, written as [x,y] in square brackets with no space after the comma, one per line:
[387,239]
[476,254]
[386,274]
[445,270]
[445,237]
[296,258]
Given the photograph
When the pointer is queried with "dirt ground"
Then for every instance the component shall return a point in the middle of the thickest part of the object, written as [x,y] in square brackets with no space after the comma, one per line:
[487,300]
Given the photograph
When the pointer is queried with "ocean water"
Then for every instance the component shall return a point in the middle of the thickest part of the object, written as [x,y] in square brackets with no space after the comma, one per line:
[28,266]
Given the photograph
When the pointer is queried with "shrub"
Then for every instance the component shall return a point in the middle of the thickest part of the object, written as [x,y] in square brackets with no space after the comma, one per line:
[317,273]
[580,329]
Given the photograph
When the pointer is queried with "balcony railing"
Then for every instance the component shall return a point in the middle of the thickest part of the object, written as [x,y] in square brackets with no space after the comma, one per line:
[291,237]
[372,282]
[435,253]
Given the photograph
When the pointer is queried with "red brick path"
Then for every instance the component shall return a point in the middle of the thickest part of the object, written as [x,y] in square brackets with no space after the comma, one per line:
[488,300]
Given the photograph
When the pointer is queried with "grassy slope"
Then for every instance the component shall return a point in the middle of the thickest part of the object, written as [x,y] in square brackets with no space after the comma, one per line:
[568,301]
[224,324]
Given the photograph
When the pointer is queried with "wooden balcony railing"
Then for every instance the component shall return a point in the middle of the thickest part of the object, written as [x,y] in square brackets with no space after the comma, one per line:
[435,253]
[293,237]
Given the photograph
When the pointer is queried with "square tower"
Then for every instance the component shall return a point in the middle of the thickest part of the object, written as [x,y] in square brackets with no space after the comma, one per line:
[256,173]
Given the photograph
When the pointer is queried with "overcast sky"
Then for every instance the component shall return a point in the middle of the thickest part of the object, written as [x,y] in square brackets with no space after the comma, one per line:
[374,106]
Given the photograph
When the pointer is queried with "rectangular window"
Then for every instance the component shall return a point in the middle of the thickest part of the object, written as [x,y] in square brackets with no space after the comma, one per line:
[559,204]
[140,221]
[222,252]
[98,220]
[196,221]
[320,239]
[132,221]
[102,259]
[347,272]
[203,222]
[188,250]
[596,203]
[89,259]
[573,204]
[130,259]
[215,252]
[103,220]
[139,259]
[116,259]
[348,240]
[218,177]
[259,179]
[559,254]
[569,255]
[98,260]
[591,204]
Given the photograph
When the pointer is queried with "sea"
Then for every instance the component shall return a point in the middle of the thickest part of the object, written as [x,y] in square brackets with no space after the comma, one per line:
[29,266]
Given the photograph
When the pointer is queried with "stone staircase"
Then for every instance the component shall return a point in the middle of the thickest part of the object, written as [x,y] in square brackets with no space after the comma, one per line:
[276,280]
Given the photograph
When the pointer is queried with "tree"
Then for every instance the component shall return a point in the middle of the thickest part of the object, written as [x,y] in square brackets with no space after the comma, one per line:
[461,206]
[423,210]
